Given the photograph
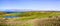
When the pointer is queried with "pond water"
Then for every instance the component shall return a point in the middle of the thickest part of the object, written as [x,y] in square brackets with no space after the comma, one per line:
[11,16]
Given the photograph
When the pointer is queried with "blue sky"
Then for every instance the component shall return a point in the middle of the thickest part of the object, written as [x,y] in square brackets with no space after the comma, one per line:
[30,5]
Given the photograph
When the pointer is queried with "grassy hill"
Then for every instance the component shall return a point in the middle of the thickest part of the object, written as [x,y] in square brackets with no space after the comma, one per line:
[26,16]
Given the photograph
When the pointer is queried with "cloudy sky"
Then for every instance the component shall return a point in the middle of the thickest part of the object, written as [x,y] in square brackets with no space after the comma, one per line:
[30,5]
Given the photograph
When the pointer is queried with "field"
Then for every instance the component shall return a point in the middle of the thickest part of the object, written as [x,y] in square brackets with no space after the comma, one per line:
[32,18]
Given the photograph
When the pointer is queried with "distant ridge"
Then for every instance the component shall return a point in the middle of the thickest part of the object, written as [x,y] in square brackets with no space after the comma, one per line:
[26,10]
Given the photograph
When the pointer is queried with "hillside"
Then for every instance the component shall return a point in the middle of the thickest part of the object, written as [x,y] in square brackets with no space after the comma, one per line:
[24,17]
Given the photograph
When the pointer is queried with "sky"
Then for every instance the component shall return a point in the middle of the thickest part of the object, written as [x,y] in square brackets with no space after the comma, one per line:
[27,5]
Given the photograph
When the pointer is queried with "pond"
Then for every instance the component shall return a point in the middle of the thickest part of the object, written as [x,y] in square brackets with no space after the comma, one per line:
[11,16]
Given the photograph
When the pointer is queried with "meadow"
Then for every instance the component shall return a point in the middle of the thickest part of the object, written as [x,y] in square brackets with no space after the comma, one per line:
[31,18]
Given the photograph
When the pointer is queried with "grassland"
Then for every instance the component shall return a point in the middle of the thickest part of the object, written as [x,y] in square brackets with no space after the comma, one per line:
[26,18]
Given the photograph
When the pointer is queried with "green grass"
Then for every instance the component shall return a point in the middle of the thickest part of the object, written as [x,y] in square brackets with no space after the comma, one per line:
[31,15]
